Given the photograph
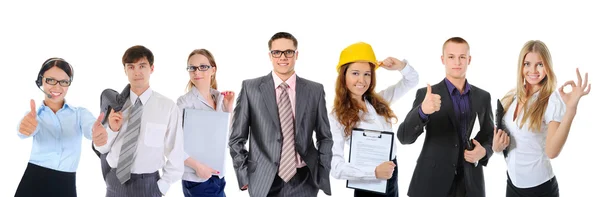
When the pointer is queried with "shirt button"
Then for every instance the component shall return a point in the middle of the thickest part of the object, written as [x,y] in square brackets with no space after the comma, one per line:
[455,145]
[279,140]
[276,163]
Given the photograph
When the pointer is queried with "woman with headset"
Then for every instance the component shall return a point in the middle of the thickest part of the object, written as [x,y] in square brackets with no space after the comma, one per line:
[56,129]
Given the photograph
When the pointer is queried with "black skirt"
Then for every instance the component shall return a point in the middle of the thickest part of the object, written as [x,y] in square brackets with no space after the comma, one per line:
[547,189]
[41,181]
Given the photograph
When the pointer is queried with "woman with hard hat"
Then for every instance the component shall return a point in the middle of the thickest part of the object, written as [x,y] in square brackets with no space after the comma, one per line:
[356,105]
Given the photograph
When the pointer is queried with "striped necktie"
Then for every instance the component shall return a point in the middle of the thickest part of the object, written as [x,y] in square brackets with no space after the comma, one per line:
[287,163]
[130,139]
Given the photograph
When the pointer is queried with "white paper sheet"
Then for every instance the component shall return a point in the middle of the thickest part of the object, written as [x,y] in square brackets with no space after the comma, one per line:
[370,148]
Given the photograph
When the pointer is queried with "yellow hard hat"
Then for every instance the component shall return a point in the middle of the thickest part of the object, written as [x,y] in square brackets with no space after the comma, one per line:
[359,51]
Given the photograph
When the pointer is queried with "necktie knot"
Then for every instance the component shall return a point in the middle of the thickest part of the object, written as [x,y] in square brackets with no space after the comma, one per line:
[138,102]
[283,86]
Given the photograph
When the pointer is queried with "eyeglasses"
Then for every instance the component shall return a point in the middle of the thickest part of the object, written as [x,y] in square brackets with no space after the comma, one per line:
[63,83]
[199,68]
[278,53]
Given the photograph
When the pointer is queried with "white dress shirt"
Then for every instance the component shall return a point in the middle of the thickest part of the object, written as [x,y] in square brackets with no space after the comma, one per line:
[527,163]
[194,100]
[340,168]
[160,137]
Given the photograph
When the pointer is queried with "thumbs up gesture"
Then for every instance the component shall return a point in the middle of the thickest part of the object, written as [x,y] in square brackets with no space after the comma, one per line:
[99,135]
[29,122]
[431,103]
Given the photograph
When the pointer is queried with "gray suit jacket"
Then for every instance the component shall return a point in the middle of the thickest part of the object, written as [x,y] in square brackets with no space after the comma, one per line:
[256,118]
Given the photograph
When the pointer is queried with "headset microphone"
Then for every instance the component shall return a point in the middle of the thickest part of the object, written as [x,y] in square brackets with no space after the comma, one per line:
[48,95]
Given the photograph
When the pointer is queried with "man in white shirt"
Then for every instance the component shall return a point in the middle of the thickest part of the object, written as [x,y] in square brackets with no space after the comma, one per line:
[142,135]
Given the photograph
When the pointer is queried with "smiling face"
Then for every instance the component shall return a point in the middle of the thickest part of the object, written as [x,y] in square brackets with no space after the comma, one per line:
[283,56]
[358,79]
[58,91]
[533,70]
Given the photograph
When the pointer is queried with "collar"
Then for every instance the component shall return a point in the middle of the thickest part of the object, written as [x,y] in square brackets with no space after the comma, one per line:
[213,93]
[65,106]
[452,88]
[143,98]
[291,81]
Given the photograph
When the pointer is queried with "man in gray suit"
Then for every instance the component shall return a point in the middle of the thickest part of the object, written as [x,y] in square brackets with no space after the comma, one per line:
[279,113]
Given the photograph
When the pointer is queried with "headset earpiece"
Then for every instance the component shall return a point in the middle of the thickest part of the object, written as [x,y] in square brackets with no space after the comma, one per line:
[39,82]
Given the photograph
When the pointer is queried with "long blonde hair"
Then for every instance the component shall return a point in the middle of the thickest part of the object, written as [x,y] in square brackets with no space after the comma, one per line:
[532,110]
[211,60]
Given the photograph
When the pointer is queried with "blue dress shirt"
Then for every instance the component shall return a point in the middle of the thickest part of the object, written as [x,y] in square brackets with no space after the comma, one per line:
[57,139]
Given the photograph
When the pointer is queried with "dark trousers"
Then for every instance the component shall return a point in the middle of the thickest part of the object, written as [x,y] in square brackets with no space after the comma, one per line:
[139,185]
[301,184]
[547,189]
[41,181]
[391,190]
[213,187]
[458,188]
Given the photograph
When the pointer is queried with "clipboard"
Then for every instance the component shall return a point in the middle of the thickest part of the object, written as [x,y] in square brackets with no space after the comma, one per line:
[382,139]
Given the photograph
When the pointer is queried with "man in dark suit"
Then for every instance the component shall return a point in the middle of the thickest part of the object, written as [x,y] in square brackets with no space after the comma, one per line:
[279,113]
[450,164]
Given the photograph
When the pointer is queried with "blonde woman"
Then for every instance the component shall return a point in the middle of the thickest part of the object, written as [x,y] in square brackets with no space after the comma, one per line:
[202,94]
[538,119]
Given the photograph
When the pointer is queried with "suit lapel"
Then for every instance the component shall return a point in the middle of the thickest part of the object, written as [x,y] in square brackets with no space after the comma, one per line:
[301,101]
[447,104]
[267,90]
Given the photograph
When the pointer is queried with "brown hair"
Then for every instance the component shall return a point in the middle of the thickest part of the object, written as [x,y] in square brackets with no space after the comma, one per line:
[457,40]
[211,60]
[346,109]
[136,53]
[532,110]
[284,35]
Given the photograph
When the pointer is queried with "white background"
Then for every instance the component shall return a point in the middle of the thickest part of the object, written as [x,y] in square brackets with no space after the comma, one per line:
[94,36]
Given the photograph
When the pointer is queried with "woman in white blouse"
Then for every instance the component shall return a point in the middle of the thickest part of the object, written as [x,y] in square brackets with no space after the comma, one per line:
[356,105]
[537,121]
[202,94]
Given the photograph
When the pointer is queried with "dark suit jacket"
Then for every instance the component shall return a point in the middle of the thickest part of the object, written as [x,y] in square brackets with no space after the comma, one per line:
[256,118]
[436,165]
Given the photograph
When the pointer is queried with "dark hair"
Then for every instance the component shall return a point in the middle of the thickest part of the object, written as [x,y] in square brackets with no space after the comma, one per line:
[211,60]
[52,62]
[136,53]
[284,35]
